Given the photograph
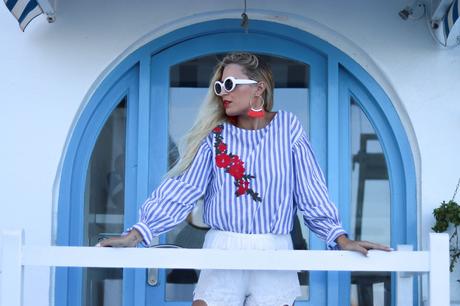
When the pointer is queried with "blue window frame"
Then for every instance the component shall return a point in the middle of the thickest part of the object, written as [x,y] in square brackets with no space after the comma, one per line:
[143,78]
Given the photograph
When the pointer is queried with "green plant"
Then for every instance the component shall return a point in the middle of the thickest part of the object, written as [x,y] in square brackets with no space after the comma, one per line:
[448,213]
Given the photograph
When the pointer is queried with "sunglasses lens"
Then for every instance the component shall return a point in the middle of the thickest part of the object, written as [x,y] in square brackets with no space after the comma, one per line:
[217,88]
[228,84]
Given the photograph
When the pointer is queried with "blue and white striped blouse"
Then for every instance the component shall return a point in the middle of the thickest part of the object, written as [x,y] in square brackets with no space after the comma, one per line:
[253,181]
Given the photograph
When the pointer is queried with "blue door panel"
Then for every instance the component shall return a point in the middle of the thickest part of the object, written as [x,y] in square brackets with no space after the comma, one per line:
[257,43]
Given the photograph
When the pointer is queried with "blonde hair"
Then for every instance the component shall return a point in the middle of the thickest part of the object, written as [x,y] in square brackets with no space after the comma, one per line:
[212,112]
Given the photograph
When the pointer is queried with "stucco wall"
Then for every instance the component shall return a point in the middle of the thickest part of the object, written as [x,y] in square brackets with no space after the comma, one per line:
[48,72]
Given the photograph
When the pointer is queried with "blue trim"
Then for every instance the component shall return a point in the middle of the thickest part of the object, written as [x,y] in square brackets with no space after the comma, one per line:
[343,152]
[140,277]
[318,139]
[223,36]
[159,119]
[131,166]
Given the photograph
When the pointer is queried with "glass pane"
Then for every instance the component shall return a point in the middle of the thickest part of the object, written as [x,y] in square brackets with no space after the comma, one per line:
[188,86]
[104,206]
[370,208]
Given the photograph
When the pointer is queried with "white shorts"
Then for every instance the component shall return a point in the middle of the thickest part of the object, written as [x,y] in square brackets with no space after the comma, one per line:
[247,287]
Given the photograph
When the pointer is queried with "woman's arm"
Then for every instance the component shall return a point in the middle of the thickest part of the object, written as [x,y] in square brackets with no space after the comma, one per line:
[312,199]
[170,203]
[311,195]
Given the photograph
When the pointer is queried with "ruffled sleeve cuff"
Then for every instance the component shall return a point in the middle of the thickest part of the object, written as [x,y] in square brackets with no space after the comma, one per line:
[144,230]
[334,233]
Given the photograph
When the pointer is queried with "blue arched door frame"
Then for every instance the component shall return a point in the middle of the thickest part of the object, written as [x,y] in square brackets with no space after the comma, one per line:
[326,132]
[401,177]
[74,172]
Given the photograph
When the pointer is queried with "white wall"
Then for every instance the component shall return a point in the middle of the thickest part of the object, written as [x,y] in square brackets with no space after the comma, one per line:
[47,72]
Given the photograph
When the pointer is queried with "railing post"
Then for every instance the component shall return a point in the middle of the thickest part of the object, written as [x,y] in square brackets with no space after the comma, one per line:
[404,283]
[11,266]
[439,278]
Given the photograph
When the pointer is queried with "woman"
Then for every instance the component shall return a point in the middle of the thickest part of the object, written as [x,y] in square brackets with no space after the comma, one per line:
[251,165]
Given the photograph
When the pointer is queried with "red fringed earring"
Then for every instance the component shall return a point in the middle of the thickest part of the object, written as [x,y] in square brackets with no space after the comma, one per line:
[256,112]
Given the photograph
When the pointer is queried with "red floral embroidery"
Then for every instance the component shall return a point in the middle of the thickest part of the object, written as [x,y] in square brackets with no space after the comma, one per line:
[233,165]
[236,159]
[222,147]
[243,187]
[218,129]
[223,160]
[237,170]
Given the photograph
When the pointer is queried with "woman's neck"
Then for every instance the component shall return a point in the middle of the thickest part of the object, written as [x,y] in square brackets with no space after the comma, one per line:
[249,123]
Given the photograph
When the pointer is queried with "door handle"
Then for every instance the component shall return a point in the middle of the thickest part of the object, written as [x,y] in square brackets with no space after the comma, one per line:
[152,274]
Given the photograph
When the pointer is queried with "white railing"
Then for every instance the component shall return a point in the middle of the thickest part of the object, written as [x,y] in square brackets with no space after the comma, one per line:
[15,256]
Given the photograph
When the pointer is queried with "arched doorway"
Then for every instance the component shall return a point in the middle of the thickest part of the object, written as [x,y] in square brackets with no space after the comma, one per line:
[119,151]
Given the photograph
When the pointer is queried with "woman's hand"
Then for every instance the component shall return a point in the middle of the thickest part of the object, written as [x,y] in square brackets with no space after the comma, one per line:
[359,246]
[129,240]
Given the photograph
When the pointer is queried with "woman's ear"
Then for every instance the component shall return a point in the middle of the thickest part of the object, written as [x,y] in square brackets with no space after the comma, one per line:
[261,86]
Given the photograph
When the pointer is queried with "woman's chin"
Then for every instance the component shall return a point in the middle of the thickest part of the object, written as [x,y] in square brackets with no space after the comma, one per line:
[229,113]
[234,113]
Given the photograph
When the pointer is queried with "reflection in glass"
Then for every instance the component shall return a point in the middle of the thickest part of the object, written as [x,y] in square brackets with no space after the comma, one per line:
[189,82]
[370,209]
[104,206]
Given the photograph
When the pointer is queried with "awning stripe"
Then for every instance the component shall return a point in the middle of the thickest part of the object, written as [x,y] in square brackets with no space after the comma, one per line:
[32,14]
[19,8]
[451,18]
[455,10]
[30,7]
[23,10]
[10,4]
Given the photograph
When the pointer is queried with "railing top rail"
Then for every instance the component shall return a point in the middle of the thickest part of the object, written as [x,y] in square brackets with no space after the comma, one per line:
[225,259]
[15,255]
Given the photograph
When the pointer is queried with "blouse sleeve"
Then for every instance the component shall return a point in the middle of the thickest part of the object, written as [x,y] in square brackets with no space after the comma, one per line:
[171,202]
[311,195]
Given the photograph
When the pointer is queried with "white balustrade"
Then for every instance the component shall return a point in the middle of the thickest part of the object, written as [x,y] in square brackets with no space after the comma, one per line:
[15,255]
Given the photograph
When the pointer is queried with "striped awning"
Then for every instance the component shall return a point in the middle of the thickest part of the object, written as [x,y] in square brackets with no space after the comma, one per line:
[451,24]
[26,10]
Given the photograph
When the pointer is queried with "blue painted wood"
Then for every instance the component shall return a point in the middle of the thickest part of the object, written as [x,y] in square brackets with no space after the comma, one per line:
[338,173]
[159,119]
[136,286]
[131,177]
[223,36]
[318,139]
[158,148]
[344,175]
[333,163]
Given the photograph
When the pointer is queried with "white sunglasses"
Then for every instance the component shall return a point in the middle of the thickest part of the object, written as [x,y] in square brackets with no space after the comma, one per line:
[229,84]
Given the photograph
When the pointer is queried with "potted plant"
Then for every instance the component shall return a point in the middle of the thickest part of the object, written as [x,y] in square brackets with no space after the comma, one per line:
[447,217]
